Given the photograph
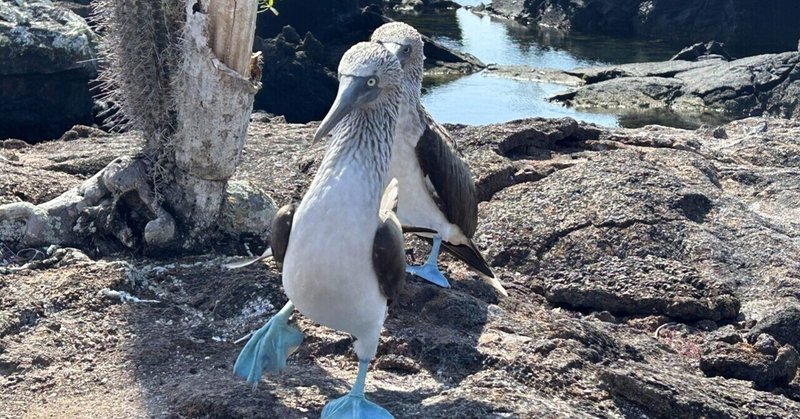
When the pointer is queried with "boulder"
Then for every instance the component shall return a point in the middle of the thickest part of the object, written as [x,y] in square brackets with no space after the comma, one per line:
[765,368]
[783,325]
[49,59]
[82,8]
[418,6]
[705,51]
[440,59]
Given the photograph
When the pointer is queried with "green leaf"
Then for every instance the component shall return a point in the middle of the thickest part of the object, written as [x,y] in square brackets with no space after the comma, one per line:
[264,5]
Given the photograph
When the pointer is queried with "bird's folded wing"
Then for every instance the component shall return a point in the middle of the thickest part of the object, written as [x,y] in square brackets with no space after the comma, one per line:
[388,257]
[279,238]
[281,227]
[448,177]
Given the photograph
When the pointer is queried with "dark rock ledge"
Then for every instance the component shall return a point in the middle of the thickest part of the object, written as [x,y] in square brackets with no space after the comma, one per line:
[741,24]
[766,84]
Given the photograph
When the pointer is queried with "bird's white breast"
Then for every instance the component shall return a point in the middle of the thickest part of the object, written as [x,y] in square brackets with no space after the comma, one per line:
[327,271]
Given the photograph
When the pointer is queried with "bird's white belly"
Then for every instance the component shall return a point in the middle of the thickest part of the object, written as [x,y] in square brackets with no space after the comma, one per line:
[327,271]
[415,206]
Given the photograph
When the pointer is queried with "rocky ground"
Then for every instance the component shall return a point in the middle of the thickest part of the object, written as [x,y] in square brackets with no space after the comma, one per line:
[652,273]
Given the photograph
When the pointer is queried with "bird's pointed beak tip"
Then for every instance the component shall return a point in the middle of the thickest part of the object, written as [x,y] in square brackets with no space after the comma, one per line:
[317,137]
[346,99]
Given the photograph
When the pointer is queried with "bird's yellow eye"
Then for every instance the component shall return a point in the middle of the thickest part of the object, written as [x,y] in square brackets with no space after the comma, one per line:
[372,82]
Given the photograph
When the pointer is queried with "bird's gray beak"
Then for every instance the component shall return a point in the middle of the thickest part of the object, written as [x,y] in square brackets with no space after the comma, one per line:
[346,100]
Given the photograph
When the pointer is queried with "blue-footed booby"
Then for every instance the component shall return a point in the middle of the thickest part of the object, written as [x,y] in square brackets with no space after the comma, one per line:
[344,258]
[436,187]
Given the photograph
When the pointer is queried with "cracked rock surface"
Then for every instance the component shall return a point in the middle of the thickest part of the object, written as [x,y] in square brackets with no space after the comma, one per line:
[652,272]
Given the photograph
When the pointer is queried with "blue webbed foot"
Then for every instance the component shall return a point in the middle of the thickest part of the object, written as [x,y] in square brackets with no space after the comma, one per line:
[354,405]
[430,270]
[269,347]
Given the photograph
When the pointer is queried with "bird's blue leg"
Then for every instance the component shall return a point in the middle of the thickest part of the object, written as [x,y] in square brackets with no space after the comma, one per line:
[430,270]
[269,347]
[354,405]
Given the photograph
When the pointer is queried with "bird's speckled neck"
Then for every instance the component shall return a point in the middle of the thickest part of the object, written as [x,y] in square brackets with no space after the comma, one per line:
[364,139]
[412,81]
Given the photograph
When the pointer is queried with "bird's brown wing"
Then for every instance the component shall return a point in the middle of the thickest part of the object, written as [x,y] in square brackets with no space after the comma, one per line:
[281,227]
[388,251]
[448,177]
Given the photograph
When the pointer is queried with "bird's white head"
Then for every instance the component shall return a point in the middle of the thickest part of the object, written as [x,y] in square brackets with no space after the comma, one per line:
[404,42]
[369,77]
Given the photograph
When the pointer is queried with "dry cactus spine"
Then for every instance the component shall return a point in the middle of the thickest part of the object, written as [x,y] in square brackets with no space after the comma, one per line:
[140,47]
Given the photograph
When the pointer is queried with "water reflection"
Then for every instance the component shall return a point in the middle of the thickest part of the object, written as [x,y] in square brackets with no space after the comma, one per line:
[492,40]
[478,99]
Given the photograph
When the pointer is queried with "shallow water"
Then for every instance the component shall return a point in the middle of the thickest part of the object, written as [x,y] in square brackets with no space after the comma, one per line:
[479,99]
[482,99]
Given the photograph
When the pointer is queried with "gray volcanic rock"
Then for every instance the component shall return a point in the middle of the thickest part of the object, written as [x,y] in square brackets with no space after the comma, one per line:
[48,55]
[509,9]
[739,23]
[296,82]
[665,69]
[741,361]
[783,325]
[527,73]
[624,93]
[604,242]
[442,60]
[749,86]
[700,50]
[82,8]
[643,221]
[665,393]
[763,84]
[406,6]
[635,260]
